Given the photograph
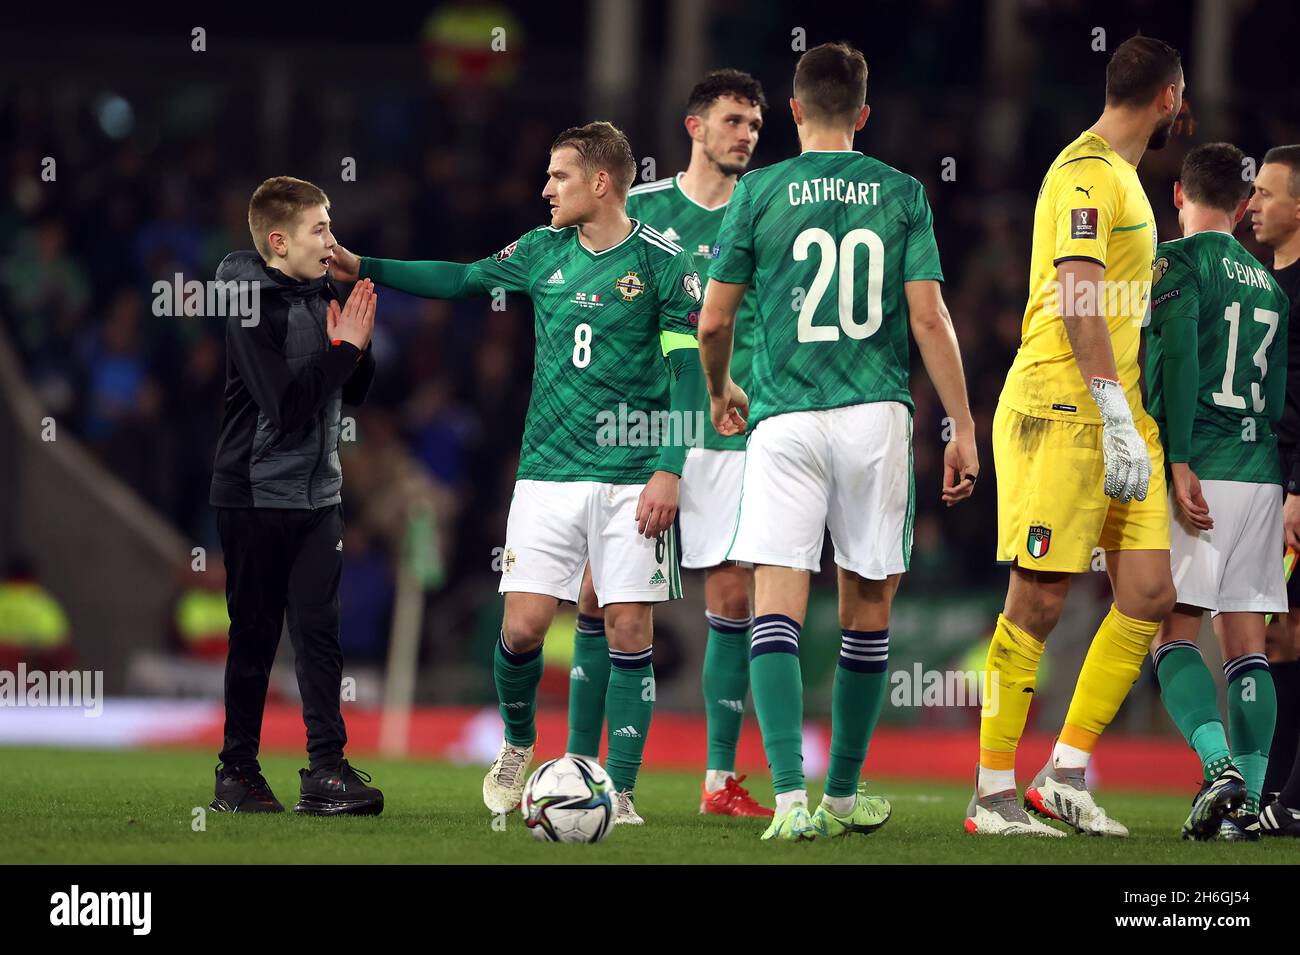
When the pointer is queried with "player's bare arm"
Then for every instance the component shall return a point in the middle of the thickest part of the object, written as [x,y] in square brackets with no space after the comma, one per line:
[1128,464]
[656,509]
[1291,521]
[728,403]
[932,328]
[1085,322]
[1187,492]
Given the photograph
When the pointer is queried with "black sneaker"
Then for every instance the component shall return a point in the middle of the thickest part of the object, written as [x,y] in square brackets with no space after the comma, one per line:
[338,790]
[1277,819]
[240,789]
[1217,797]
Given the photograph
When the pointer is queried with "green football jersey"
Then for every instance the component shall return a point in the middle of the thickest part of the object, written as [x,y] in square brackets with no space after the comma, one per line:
[1216,358]
[827,240]
[681,219]
[603,321]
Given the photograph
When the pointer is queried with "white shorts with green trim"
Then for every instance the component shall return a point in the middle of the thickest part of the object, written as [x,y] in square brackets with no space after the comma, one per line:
[710,494]
[849,469]
[556,527]
[1236,566]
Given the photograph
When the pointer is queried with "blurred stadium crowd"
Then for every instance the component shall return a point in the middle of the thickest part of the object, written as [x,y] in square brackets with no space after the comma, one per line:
[450,143]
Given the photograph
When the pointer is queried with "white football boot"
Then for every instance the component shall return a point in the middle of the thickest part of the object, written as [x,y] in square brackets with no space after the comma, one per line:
[999,814]
[1062,794]
[503,786]
[625,813]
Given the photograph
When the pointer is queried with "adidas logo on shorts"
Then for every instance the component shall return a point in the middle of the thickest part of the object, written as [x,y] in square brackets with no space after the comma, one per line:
[577,673]
[627,732]
[658,579]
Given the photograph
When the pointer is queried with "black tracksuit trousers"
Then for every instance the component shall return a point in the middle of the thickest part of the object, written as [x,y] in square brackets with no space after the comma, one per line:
[283,562]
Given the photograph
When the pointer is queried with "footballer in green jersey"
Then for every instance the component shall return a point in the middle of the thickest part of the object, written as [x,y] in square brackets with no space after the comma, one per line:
[724,114]
[841,255]
[615,312]
[1215,377]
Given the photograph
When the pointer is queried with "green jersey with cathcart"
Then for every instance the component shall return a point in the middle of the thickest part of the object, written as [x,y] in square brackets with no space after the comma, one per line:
[679,218]
[604,322]
[827,240]
[1216,358]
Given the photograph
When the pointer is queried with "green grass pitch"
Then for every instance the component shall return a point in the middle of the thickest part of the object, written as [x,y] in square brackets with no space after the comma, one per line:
[138,807]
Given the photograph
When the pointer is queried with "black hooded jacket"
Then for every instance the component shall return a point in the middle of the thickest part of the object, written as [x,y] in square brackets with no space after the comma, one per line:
[285,387]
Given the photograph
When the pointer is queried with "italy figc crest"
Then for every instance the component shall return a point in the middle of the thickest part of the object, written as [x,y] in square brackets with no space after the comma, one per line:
[1040,538]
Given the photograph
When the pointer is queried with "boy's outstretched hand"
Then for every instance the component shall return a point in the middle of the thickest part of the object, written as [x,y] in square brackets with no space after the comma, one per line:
[355,322]
[344,266]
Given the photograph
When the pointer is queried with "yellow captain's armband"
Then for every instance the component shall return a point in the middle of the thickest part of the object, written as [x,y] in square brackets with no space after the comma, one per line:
[671,341]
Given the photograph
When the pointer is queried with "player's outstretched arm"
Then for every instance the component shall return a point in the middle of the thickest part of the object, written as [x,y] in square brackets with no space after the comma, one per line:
[937,341]
[1081,295]
[427,279]
[728,403]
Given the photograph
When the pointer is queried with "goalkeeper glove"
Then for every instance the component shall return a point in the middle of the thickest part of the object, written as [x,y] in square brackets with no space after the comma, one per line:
[1128,465]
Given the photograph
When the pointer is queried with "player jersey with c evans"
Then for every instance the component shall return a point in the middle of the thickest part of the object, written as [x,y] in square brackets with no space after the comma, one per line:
[603,322]
[827,239]
[663,205]
[1091,206]
[1216,358]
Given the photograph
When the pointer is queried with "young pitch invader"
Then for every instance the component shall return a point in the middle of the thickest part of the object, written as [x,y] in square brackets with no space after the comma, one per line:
[275,484]
[723,116]
[1079,462]
[613,299]
[1216,369]
[832,425]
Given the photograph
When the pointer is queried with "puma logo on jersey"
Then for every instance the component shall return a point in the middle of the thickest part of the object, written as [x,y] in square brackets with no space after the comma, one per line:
[1087,192]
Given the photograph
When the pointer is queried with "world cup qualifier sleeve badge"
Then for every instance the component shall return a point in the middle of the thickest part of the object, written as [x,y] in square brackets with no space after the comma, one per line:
[1040,538]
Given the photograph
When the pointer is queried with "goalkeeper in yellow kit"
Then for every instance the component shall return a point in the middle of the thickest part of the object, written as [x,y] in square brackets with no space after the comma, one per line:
[1078,460]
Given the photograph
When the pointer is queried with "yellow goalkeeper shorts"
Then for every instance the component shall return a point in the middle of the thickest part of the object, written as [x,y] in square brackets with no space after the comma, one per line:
[1052,511]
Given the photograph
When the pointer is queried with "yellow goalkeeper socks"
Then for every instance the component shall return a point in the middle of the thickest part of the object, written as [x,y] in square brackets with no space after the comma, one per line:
[1010,673]
[1109,671]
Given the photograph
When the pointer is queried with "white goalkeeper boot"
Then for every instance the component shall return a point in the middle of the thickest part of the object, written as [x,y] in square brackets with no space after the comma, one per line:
[1060,793]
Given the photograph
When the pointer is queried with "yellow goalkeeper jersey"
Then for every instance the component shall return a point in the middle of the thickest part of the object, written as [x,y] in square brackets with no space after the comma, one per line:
[1090,206]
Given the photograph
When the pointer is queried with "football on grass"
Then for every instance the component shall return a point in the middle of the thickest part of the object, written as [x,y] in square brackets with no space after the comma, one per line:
[569,799]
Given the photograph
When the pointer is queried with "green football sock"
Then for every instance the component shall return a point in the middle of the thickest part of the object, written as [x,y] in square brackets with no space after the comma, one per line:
[629,704]
[588,682]
[858,694]
[1252,712]
[516,676]
[777,685]
[725,682]
[1192,701]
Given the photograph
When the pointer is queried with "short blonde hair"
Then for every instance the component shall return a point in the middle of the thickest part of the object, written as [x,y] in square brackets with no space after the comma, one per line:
[600,146]
[277,203]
